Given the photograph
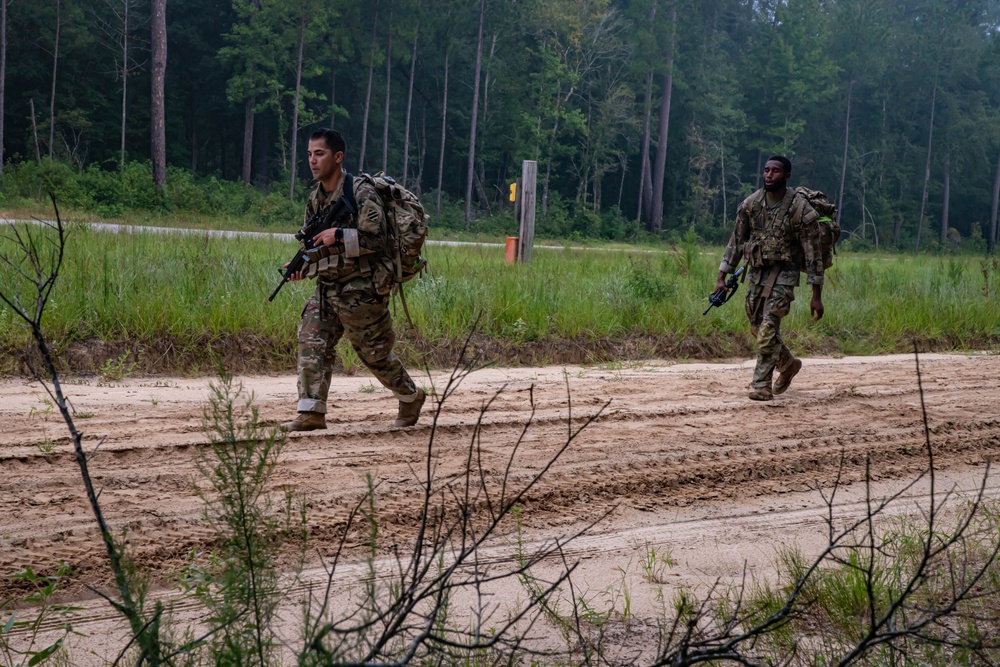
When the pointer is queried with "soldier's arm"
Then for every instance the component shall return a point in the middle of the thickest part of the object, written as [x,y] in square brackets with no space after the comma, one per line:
[733,254]
[371,224]
[369,236]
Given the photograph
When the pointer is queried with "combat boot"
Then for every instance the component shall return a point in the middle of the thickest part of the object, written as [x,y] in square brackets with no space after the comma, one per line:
[306,421]
[785,378]
[409,413]
[761,394]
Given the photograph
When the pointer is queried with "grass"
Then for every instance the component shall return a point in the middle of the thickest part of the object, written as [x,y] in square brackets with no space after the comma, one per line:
[158,302]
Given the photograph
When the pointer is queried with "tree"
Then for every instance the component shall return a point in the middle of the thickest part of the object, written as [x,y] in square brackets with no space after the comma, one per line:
[293,163]
[409,107]
[470,170]
[157,98]
[118,26]
[666,91]
[250,52]
[55,68]
[368,92]
[3,73]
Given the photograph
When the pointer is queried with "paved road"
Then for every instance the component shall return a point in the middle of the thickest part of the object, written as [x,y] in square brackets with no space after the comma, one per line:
[221,233]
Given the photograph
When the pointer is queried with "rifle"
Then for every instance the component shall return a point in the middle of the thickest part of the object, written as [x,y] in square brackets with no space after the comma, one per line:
[314,225]
[720,296]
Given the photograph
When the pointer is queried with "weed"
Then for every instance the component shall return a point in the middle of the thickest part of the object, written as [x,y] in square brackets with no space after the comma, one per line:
[85,415]
[368,388]
[45,446]
[654,562]
[115,370]
[43,412]
[43,615]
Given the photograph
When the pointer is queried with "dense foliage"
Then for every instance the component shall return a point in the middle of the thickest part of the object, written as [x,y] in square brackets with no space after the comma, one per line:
[577,85]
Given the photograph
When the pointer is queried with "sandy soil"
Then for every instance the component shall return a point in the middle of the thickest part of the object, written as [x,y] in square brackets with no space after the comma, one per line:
[680,457]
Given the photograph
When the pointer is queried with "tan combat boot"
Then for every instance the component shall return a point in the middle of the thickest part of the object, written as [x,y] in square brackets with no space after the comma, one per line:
[785,378]
[761,394]
[306,421]
[409,413]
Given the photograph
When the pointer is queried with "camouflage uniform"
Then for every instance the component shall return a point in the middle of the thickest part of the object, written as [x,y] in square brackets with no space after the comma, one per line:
[778,242]
[352,295]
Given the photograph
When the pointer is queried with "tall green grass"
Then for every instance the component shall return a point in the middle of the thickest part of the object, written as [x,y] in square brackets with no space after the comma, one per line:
[196,292]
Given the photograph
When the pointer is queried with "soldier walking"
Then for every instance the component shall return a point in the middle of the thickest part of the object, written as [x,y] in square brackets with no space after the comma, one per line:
[778,231]
[353,280]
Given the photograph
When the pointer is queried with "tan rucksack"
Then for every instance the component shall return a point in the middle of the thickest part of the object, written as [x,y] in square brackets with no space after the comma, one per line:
[828,223]
[407,224]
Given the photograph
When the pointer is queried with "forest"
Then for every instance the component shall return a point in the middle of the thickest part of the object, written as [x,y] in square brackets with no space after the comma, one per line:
[645,116]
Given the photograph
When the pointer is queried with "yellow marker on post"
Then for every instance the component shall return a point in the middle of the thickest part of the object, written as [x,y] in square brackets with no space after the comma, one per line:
[513,191]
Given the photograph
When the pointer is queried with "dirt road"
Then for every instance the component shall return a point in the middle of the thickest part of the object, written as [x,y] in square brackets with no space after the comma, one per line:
[679,453]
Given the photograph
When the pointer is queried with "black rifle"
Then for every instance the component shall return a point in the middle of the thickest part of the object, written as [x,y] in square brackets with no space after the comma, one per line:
[314,225]
[722,295]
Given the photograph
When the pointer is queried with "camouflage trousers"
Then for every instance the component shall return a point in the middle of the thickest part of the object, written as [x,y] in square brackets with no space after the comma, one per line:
[765,314]
[353,308]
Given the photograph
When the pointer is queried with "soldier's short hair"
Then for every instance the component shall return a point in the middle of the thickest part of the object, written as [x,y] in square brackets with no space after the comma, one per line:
[785,162]
[334,140]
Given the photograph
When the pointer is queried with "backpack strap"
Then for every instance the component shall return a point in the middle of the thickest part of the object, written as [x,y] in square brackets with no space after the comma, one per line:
[786,204]
[349,193]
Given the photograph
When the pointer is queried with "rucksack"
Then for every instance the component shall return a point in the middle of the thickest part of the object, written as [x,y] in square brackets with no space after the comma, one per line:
[407,223]
[829,226]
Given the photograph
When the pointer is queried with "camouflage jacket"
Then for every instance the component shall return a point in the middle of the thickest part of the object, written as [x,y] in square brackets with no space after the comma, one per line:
[365,238]
[794,240]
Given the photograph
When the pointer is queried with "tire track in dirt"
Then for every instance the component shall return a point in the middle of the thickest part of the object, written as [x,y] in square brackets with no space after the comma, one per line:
[593,545]
[674,436]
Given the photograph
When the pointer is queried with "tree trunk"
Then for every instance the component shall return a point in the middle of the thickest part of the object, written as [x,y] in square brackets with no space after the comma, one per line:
[55,67]
[899,216]
[248,122]
[3,71]
[333,96]
[545,186]
[725,201]
[470,170]
[992,241]
[661,148]
[293,164]
[645,193]
[121,160]
[927,167]
[946,196]
[418,182]
[158,112]
[484,198]
[843,162]
[409,108]
[34,131]
[368,97]
[193,116]
[444,133]
[385,121]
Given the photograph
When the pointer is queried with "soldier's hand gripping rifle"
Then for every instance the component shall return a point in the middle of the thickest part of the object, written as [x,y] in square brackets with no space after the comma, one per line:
[314,225]
[720,296]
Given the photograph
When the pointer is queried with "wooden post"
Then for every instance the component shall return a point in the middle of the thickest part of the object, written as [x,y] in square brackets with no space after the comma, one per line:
[529,177]
[517,202]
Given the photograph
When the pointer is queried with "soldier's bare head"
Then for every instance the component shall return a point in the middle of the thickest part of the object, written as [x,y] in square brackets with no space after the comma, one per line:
[777,171]
[326,156]
[334,140]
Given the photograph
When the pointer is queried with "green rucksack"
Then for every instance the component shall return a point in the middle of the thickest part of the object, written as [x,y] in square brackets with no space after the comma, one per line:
[828,223]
